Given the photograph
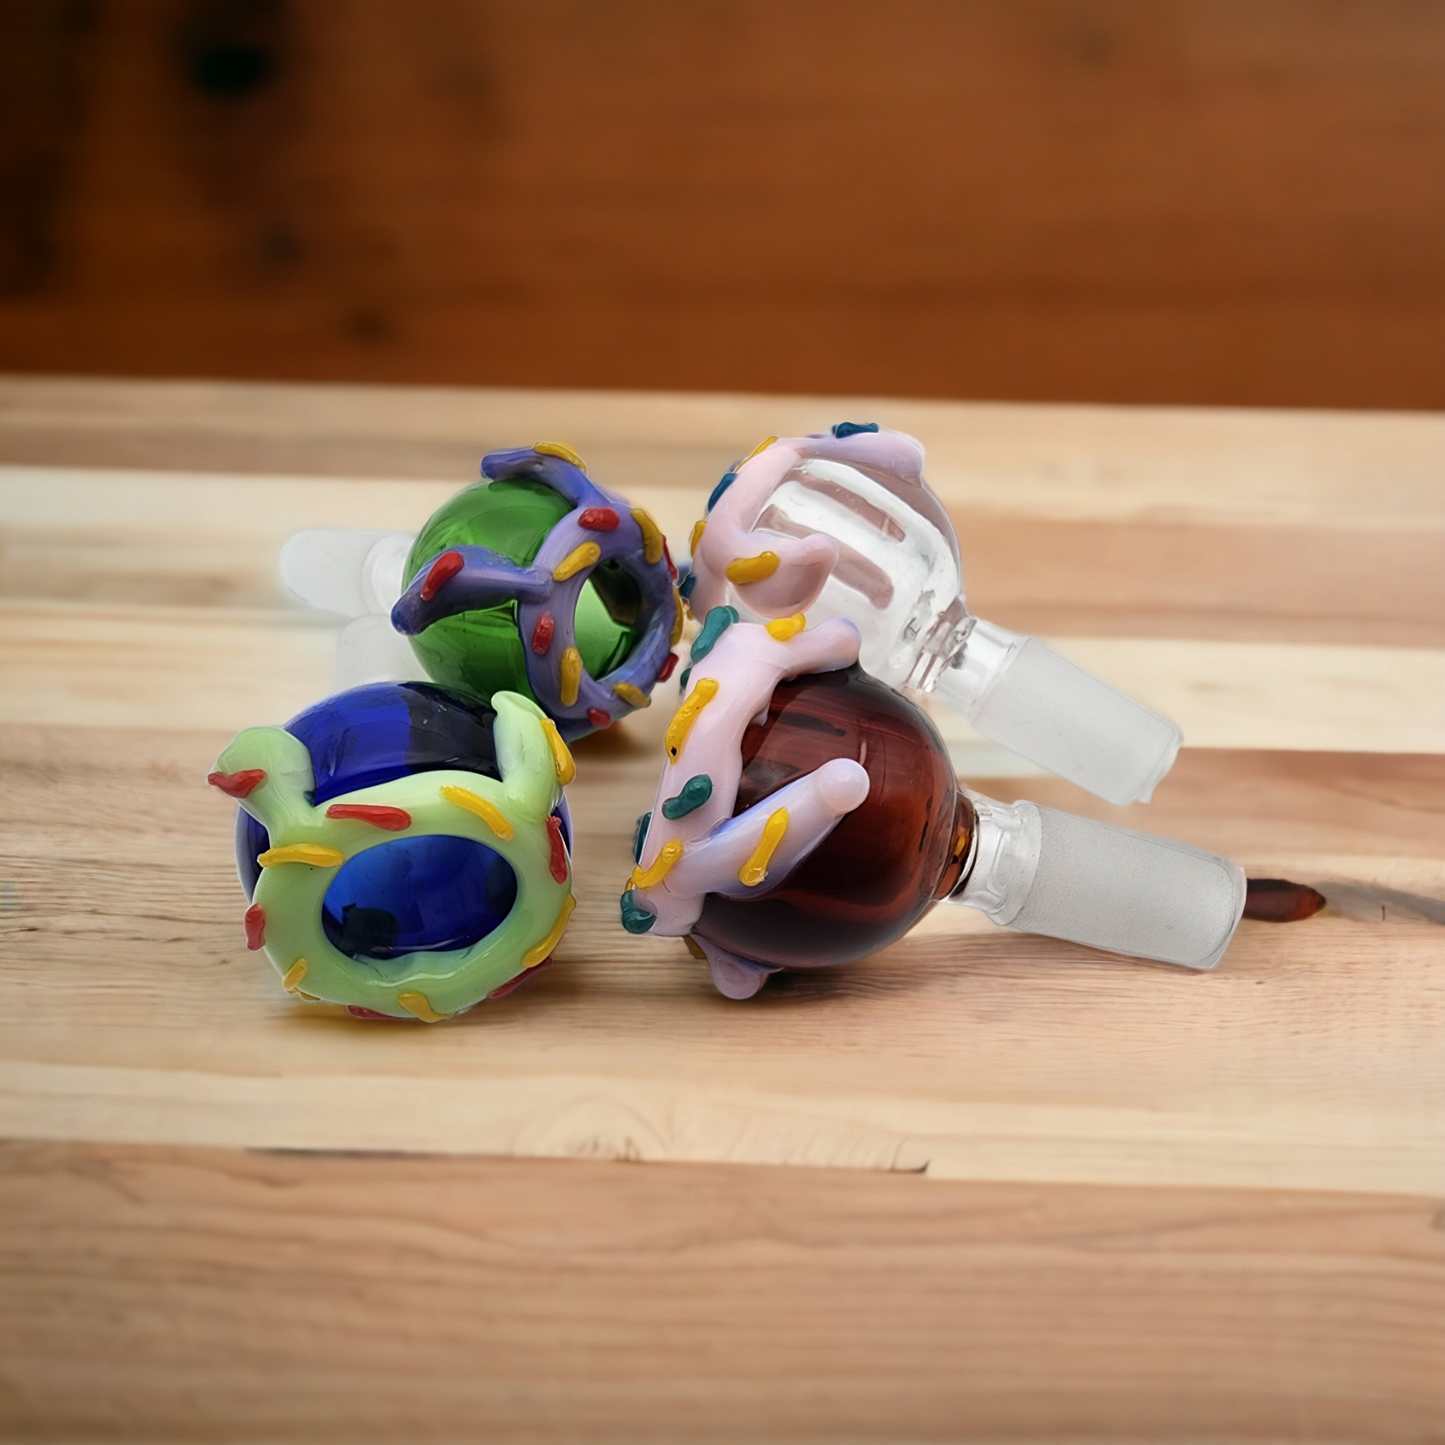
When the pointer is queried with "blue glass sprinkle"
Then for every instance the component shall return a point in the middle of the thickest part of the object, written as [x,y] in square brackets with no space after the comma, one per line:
[714,625]
[852,428]
[639,836]
[685,587]
[681,687]
[690,797]
[728,478]
[635,919]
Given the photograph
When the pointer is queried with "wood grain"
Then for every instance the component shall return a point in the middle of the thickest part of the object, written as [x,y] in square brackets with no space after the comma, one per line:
[197,1294]
[970,1051]
[1051,1194]
[1208,201]
[144,624]
[1087,463]
[1075,521]
[136,667]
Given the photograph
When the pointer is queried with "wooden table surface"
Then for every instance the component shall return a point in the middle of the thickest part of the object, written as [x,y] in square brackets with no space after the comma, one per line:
[980,1185]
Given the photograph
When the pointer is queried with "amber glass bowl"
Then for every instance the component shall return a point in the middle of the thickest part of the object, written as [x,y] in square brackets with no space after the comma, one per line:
[886,863]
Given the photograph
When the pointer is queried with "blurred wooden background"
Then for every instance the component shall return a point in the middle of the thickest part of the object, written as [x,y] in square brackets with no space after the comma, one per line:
[1208,201]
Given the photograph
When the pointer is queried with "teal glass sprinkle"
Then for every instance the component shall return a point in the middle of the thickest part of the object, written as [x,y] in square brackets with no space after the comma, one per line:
[635,919]
[714,625]
[690,797]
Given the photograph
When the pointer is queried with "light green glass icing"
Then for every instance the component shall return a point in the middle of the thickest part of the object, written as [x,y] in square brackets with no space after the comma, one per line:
[291,893]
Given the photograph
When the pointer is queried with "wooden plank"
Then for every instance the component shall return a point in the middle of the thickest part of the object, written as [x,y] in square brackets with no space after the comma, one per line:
[132,1012]
[1085,198]
[205,538]
[1154,1205]
[409,1298]
[1269,694]
[1074,520]
[161,668]
[1210,466]
[1205,580]
[217,667]
[143,625]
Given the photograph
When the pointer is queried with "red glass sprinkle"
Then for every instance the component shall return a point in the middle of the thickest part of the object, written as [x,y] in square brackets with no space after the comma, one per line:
[393,820]
[668,663]
[357,1012]
[526,973]
[558,865]
[598,519]
[542,633]
[237,785]
[255,927]
[667,557]
[598,718]
[442,570]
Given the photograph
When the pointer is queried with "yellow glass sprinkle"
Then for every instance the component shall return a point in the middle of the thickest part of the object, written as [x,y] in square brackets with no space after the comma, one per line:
[560,449]
[756,868]
[632,696]
[652,542]
[784,628]
[762,446]
[661,867]
[539,951]
[489,813]
[419,1005]
[686,715]
[294,976]
[312,853]
[562,763]
[582,555]
[679,620]
[698,528]
[752,569]
[694,947]
[569,677]
[309,997]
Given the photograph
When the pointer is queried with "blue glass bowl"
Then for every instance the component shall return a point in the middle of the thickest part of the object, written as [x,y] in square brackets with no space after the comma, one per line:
[410,895]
